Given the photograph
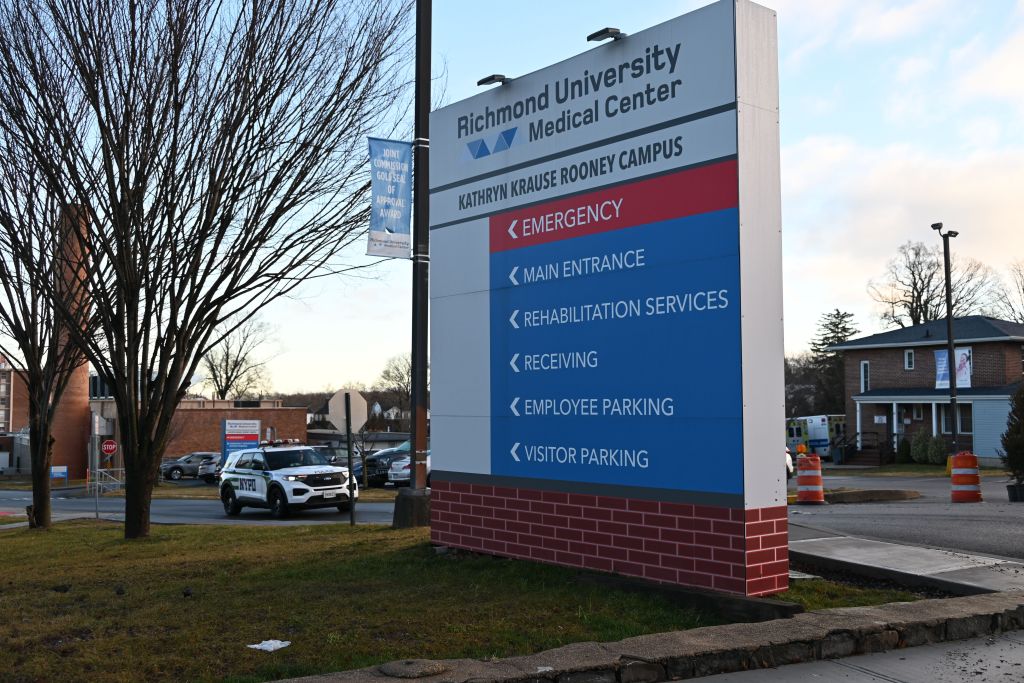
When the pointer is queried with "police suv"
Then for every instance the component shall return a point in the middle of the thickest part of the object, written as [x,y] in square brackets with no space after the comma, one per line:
[283,476]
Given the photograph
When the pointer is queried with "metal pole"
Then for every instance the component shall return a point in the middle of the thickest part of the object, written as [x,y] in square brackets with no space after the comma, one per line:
[421,248]
[351,475]
[950,350]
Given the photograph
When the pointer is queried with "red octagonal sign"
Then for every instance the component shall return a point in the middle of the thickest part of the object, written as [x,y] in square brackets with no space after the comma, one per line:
[109,447]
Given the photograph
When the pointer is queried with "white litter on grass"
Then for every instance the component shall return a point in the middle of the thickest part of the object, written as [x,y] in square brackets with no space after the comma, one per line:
[544,669]
[271,645]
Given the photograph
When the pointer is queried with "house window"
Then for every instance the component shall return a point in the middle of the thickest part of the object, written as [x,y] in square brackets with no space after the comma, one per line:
[966,413]
[865,376]
[918,411]
[908,359]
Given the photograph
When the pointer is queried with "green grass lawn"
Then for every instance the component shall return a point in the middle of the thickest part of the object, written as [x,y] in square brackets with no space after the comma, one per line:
[12,519]
[908,470]
[211,492]
[346,597]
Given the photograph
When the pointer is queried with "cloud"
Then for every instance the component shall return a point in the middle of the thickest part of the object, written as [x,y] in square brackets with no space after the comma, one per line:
[885,21]
[912,69]
[997,76]
[807,27]
[847,207]
[981,132]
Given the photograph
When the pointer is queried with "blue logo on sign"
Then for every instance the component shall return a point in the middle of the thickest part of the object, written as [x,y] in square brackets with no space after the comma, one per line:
[478,149]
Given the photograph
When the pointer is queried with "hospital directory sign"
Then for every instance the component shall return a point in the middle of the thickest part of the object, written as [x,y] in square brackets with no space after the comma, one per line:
[606,309]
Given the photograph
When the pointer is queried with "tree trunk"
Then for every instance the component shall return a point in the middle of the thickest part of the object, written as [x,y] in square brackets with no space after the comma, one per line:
[40,498]
[138,497]
[41,455]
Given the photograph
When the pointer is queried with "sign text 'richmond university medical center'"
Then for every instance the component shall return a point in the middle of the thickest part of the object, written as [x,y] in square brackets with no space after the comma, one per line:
[607,309]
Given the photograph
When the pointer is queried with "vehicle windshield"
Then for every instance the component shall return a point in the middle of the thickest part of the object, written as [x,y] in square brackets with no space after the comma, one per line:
[304,457]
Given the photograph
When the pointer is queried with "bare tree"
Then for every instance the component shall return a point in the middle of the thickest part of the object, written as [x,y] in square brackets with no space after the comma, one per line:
[1009,303]
[396,380]
[220,164]
[36,242]
[232,366]
[912,291]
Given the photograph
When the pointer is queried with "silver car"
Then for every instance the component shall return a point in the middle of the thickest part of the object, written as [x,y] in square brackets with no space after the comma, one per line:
[209,468]
[398,473]
[185,466]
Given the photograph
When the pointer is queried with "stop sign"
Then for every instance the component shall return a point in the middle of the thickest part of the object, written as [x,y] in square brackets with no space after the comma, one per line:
[109,447]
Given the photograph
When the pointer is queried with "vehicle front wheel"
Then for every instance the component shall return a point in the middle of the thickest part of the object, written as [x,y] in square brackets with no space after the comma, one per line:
[230,501]
[278,503]
[344,507]
[175,474]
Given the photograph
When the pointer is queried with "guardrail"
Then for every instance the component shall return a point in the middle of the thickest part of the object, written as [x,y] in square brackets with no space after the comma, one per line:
[104,480]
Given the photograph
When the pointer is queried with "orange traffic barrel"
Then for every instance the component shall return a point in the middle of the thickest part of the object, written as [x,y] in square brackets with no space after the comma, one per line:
[966,482]
[810,489]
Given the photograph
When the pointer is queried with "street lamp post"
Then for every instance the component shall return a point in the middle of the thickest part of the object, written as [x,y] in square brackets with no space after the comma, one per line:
[412,506]
[950,344]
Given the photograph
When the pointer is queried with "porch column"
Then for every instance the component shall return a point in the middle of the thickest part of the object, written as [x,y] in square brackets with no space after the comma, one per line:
[935,419]
[858,426]
[895,425]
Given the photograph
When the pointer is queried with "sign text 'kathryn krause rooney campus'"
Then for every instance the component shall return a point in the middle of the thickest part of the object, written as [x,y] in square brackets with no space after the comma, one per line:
[607,309]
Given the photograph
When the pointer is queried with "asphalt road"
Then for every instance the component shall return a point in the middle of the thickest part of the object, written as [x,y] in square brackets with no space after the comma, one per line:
[165,511]
[993,527]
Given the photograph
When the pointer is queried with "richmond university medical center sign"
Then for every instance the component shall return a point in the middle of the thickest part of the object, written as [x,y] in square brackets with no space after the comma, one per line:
[607,310]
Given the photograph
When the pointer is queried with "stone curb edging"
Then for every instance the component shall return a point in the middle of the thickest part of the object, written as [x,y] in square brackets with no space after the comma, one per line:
[824,634]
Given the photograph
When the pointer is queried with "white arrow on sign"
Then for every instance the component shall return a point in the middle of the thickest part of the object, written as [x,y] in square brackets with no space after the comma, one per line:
[515,357]
[515,401]
[513,452]
[512,319]
[512,230]
[512,275]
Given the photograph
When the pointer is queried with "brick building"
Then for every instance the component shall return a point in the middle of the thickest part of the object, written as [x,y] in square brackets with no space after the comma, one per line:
[70,429]
[198,423]
[893,388]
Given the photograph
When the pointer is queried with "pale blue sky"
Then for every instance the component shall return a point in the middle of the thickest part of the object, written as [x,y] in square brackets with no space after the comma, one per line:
[895,114]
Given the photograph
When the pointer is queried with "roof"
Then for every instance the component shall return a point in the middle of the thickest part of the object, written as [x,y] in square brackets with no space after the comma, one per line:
[938,395]
[972,328]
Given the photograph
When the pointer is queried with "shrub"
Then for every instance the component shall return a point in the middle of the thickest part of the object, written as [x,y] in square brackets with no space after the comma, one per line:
[1012,454]
[938,451]
[919,447]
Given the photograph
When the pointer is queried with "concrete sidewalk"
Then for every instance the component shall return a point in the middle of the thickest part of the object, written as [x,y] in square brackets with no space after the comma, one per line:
[991,659]
[953,572]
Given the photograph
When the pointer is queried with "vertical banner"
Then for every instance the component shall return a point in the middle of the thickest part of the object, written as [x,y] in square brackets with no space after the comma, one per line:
[390,198]
[963,358]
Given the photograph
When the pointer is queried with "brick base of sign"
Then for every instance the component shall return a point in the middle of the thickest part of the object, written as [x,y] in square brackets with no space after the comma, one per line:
[725,549]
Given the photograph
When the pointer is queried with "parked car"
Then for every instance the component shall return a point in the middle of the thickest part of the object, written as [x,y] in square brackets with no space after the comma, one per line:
[282,478]
[209,468]
[339,456]
[185,466]
[378,464]
[400,470]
